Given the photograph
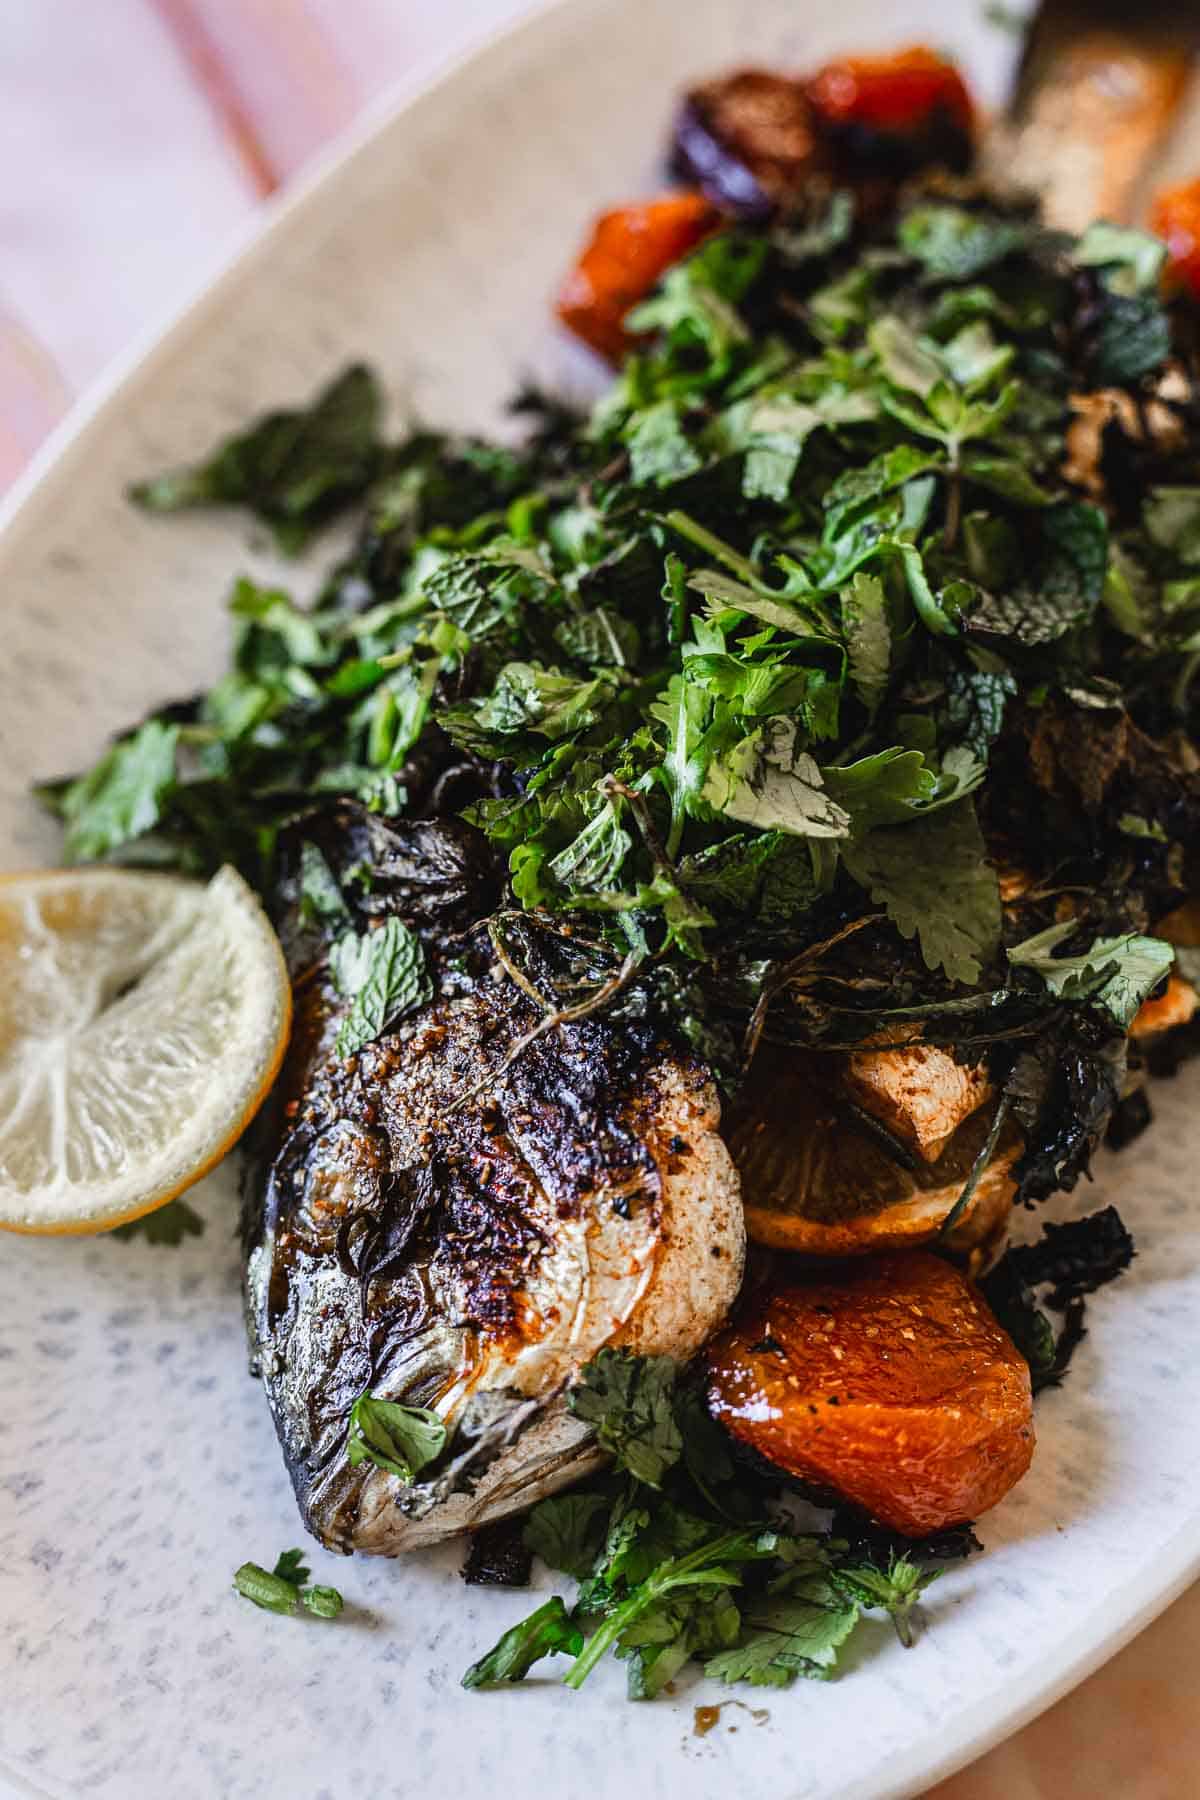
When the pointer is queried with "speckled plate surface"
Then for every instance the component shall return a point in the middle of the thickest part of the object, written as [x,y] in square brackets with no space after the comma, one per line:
[138,1466]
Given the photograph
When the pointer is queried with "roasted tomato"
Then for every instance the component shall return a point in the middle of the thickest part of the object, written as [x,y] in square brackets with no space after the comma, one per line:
[629,250]
[888,1383]
[892,114]
[747,140]
[1175,216]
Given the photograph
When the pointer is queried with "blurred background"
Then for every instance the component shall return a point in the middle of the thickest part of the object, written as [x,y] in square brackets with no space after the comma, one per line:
[137,140]
[138,137]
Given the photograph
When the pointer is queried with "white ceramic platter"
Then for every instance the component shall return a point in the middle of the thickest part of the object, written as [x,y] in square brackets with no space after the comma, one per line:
[138,1466]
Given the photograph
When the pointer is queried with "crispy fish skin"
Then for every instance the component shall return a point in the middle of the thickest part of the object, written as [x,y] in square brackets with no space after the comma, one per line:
[471,1254]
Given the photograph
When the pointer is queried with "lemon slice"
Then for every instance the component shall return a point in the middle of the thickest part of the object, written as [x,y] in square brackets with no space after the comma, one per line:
[142,1020]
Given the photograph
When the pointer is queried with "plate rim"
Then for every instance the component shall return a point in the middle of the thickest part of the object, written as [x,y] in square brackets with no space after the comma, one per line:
[981,1725]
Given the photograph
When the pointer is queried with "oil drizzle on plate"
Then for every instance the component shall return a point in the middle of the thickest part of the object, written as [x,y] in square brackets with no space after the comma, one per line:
[706,1717]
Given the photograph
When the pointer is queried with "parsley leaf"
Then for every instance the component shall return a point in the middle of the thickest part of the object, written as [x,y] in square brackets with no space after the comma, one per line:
[937,885]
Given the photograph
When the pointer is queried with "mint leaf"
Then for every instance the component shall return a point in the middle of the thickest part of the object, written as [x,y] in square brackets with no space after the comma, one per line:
[400,1439]
[1132,260]
[321,901]
[383,973]
[895,1590]
[953,244]
[292,469]
[123,795]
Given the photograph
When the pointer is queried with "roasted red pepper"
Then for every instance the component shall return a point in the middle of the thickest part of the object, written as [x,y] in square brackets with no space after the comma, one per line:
[886,116]
[899,93]
[1175,217]
[887,1382]
[629,250]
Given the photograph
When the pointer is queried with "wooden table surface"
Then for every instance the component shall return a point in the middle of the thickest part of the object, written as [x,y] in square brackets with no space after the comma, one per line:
[137,137]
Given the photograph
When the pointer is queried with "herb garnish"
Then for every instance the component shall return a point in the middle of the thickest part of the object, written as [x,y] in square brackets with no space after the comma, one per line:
[821,616]
[286,1587]
[400,1439]
[168,1224]
[680,1556]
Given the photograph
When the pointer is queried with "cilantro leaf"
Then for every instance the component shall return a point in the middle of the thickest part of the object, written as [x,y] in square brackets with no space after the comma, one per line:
[383,973]
[400,1439]
[629,1401]
[291,1566]
[567,1531]
[544,1632]
[768,781]
[868,637]
[797,1630]
[1118,973]
[937,885]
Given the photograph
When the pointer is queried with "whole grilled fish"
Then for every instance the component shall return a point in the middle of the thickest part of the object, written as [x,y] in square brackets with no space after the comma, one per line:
[457,1228]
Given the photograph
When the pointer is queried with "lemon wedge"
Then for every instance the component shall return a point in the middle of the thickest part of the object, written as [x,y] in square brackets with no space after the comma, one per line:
[142,1020]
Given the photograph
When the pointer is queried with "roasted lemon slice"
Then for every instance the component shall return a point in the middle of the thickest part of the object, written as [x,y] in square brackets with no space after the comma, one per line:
[142,1020]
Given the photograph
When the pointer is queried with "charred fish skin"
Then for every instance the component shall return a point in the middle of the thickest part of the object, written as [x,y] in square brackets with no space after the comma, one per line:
[456,1229]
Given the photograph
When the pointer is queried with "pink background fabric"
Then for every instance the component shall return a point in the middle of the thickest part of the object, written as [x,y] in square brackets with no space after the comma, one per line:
[137,137]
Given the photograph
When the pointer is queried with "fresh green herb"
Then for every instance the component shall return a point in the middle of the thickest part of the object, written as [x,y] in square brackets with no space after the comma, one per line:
[400,1439]
[287,1587]
[1117,973]
[677,1559]
[293,470]
[168,1224]
[803,630]
[383,974]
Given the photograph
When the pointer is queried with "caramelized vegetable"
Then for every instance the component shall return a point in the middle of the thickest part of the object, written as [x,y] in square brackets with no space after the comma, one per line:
[895,112]
[889,1383]
[1175,216]
[1176,1006]
[920,1093]
[629,250]
[823,1180]
[747,140]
